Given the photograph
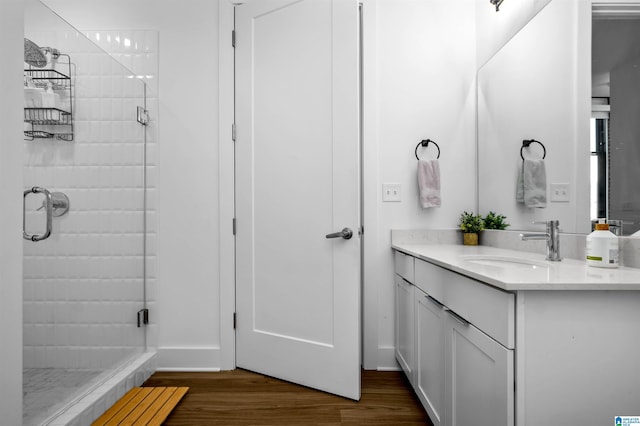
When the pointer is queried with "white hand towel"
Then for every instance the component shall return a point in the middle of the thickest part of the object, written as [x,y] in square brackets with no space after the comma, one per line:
[429,183]
[531,187]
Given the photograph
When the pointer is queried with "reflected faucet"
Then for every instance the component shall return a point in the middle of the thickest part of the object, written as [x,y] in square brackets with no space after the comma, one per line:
[552,236]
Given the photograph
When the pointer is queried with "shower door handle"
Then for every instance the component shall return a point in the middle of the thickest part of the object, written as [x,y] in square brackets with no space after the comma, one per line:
[48,206]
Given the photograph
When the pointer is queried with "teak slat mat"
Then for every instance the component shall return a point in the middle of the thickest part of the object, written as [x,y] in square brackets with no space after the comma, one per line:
[148,406]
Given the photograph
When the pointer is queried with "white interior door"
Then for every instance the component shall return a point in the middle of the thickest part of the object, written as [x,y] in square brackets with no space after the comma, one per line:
[297,169]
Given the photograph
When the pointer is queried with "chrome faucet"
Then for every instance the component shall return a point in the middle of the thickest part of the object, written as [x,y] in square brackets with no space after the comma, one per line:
[552,236]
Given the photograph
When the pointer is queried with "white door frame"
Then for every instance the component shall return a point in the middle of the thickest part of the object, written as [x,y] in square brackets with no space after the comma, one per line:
[369,293]
[11,187]
[226,185]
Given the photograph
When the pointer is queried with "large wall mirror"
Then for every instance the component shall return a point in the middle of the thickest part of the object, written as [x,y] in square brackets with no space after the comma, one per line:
[615,119]
[540,86]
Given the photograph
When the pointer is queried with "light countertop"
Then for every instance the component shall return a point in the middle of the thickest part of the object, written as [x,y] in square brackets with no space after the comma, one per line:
[568,274]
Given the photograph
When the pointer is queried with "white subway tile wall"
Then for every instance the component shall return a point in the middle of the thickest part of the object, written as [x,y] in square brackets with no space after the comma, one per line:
[84,285]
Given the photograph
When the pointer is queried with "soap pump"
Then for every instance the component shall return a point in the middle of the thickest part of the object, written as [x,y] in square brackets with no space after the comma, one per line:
[50,99]
[602,247]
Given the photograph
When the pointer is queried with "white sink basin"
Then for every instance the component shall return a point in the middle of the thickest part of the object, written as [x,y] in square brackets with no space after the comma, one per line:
[505,262]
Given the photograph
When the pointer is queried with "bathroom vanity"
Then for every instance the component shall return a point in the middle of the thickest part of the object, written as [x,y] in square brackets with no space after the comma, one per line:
[496,337]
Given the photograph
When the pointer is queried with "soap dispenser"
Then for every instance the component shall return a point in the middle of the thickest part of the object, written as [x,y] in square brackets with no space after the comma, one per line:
[50,99]
[32,94]
[602,247]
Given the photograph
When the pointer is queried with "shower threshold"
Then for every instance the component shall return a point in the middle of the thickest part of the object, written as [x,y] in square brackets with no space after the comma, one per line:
[55,397]
[47,390]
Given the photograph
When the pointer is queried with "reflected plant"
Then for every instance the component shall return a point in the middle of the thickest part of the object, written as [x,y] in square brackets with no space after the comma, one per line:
[495,221]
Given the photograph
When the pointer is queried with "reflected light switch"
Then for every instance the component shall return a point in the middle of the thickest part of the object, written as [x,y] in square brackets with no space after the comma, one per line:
[559,192]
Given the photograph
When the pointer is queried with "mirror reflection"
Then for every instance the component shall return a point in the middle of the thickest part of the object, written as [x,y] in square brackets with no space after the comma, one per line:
[539,86]
[614,127]
[532,89]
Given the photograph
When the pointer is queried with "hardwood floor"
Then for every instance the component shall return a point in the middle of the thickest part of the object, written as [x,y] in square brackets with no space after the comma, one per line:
[241,397]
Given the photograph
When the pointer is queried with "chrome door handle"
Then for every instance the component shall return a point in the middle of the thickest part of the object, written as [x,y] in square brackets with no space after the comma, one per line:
[55,204]
[346,233]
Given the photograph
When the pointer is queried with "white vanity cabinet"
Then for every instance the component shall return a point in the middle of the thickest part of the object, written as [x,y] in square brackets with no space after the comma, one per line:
[430,319]
[462,368]
[404,324]
[577,330]
[404,314]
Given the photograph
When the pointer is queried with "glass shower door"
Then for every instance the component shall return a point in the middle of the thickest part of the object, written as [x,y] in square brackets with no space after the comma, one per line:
[84,223]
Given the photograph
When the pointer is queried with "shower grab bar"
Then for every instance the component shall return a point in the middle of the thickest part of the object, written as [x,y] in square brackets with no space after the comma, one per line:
[48,205]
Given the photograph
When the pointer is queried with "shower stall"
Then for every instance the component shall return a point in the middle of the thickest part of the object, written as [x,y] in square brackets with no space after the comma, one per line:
[85,226]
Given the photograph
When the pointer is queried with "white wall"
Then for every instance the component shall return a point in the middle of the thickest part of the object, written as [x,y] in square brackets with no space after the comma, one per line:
[11,22]
[425,65]
[494,29]
[187,306]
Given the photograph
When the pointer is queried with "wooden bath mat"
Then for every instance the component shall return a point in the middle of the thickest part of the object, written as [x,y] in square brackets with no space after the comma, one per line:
[142,406]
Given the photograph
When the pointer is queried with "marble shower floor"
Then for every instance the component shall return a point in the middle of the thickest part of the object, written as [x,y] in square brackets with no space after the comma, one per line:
[47,390]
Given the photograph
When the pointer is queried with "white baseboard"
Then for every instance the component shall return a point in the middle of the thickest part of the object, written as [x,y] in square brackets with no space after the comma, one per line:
[208,359]
[189,358]
[387,359]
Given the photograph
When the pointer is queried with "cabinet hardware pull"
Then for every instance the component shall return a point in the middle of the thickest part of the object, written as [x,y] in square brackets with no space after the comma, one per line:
[458,318]
[435,301]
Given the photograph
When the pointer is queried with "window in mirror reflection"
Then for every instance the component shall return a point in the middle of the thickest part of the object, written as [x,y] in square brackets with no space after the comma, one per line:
[599,143]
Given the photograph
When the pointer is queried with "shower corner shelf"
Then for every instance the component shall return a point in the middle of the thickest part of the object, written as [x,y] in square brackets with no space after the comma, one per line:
[51,123]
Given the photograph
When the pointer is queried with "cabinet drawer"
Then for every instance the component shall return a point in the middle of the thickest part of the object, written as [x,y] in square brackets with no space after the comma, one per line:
[430,279]
[404,266]
[489,309]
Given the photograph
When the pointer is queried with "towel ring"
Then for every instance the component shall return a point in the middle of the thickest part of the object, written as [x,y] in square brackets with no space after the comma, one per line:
[526,143]
[425,143]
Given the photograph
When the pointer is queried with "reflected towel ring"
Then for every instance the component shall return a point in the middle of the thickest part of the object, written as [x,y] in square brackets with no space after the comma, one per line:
[425,143]
[526,143]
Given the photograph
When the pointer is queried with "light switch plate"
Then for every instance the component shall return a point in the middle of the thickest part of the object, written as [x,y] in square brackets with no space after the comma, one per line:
[391,192]
[560,193]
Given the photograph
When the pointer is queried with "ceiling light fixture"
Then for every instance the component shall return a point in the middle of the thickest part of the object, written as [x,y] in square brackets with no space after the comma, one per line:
[497,3]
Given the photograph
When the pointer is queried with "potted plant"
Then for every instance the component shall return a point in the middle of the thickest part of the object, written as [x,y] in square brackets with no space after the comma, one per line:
[495,221]
[471,225]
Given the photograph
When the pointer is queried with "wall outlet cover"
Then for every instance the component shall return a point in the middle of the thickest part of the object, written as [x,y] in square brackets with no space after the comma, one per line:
[391,192]
[560,193]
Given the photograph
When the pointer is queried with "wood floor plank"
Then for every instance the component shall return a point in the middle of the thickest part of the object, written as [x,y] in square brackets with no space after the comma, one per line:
[244,398]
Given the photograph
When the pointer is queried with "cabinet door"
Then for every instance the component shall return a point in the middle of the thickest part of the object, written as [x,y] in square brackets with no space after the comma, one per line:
[480,382]
[404,326]
[430,355]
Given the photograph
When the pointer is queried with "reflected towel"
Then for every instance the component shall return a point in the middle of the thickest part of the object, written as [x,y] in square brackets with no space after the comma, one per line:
[429,183]
[531,187]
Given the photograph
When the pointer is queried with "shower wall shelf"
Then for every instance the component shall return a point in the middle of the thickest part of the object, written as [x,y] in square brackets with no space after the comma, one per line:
[51,123]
